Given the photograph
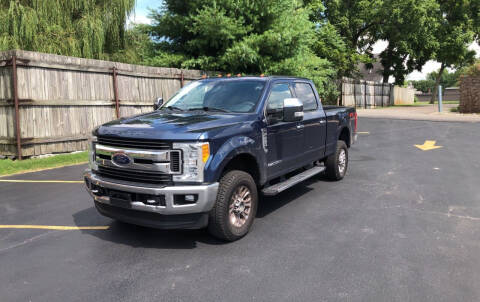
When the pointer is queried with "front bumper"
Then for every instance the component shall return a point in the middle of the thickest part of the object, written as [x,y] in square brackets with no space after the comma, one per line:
[169,214]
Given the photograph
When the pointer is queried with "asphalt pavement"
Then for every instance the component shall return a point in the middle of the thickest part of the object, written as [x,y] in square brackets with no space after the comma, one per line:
[404,225]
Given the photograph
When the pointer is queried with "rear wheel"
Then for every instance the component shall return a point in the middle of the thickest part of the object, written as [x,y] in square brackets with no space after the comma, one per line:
[235,207]
[337,163]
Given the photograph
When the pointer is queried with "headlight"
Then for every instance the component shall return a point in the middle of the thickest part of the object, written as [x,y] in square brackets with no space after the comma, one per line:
[92,140]
[195,156]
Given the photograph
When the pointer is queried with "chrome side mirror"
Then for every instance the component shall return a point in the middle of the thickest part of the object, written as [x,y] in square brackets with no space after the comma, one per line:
[292,110]
[157,104]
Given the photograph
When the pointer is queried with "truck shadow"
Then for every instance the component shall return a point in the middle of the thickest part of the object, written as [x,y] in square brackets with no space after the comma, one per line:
[269,204]
[143,237]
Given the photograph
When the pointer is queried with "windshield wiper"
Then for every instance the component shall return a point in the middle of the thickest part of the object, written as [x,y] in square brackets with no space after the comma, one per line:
[173,108]
[206,108]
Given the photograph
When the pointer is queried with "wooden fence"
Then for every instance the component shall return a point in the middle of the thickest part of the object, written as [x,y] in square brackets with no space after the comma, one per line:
[366,94]
[50,103]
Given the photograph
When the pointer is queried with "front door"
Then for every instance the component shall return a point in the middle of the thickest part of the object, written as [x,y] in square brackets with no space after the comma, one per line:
[285,139]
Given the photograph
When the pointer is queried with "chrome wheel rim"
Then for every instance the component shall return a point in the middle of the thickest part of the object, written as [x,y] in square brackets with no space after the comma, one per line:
[240,206]
[342,161]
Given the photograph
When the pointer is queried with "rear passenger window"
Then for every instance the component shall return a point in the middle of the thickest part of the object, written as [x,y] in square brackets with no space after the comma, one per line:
[305,94]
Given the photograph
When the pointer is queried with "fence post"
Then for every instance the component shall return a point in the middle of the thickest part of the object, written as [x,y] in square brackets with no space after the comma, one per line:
[365,92]
[115,92]
[354,94]
[17,110]
[440,98]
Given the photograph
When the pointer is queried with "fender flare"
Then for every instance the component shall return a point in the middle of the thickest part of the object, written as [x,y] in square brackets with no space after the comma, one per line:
[233,147]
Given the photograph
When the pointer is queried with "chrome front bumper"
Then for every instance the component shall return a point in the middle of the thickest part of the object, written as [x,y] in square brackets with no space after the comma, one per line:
[207,195]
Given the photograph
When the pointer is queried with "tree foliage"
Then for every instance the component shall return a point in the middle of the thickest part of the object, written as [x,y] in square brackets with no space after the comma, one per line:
[447,79]
[408,27]
[252,37]
[82,28]
[358,23]
[458,27]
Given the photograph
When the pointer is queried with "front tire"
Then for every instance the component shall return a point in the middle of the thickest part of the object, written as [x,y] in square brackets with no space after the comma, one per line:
[235,207]
[337,163]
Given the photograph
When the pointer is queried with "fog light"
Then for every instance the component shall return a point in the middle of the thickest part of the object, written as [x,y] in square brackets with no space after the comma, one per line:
[181,200]
[190,198]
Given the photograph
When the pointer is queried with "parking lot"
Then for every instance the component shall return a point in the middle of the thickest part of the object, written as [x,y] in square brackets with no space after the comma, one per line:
[404,225]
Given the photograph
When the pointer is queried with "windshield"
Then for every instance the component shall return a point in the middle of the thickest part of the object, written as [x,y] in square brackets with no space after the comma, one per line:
[223,95]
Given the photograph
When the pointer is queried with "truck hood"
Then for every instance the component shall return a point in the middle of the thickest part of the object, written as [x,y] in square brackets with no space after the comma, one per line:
[173,125]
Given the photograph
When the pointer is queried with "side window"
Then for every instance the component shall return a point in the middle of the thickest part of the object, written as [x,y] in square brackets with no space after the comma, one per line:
[305,94]
[278,93]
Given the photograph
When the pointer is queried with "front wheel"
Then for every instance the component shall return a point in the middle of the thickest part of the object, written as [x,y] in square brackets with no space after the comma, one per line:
[337,163]
[235,207]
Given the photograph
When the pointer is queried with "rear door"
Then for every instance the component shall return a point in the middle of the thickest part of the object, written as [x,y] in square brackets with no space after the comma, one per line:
[314,121]
[285,140]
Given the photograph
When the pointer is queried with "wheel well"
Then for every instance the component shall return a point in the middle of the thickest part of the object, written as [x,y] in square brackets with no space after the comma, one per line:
[244,162]
[345,136]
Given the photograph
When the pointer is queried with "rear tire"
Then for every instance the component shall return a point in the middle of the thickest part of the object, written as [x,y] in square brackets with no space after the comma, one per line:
[235,207]
[337,163]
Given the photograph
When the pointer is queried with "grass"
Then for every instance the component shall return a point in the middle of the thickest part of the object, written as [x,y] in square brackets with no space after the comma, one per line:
[443,102]
[8,166]
[420,104]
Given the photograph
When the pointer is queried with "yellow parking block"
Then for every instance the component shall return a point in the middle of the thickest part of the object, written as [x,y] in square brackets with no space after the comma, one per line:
[53,227]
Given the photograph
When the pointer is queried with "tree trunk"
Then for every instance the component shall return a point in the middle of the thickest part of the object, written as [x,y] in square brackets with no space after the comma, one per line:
[437,82]
[386,77]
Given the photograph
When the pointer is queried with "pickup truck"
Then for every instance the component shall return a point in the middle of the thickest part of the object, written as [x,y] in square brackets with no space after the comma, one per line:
[203,158]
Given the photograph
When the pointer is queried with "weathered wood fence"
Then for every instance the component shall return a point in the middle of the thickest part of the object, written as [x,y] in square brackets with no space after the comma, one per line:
[50,103]
[366,94]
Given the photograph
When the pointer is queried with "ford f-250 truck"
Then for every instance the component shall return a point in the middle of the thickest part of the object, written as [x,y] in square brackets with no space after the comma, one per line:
[202,158]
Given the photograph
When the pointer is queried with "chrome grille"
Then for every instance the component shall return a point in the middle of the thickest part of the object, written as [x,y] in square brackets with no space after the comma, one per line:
[134,176]
[134,143]
[139,164]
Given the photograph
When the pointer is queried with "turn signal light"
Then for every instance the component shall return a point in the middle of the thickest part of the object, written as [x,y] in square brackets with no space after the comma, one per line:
[205,152]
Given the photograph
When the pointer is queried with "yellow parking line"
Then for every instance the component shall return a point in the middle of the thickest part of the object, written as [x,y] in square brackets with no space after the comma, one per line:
[53,227]
[363,132]
[43,181]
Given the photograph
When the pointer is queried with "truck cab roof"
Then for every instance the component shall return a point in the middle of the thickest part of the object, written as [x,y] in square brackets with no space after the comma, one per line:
[261,78]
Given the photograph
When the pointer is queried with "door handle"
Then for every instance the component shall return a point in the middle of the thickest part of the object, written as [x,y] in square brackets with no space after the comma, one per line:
[300,126]
[322,121]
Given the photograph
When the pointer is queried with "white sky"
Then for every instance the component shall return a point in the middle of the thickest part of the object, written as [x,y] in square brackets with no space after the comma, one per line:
[141,13]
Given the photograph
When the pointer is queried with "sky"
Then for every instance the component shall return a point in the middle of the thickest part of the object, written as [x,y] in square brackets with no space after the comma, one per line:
[141,16]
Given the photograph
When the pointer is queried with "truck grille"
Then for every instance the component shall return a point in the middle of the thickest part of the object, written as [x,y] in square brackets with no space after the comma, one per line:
[150,161]
[134,143]
[134,175]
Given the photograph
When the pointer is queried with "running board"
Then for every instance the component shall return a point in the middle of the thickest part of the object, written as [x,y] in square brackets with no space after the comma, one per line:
[282,186]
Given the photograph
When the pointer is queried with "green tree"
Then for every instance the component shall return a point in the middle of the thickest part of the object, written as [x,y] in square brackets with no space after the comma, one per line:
[447,79]
[82,28]
[358,23]
[424,86]
[409,29]
[253,37]
[407,26]
[458,28]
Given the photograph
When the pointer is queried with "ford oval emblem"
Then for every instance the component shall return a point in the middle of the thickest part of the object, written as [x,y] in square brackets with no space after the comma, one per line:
[121,159]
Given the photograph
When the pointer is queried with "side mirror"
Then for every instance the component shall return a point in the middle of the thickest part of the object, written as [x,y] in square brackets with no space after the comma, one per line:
[292,110]
[158,103]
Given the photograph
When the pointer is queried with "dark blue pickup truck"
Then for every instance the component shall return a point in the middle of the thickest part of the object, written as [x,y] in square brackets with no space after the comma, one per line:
[202,158]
